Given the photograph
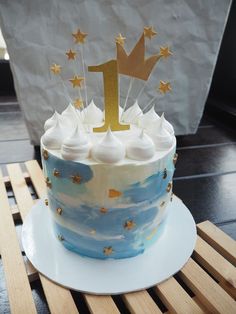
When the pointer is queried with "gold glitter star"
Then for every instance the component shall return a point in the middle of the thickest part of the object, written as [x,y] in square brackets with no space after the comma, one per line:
[56,173]
[55,68]
[164,87]
[46,202]
[165,52]
[60,237]
[103,210]
[114,193]
[108,250]
[169,186]
[71,54]
[76,81]
[78,103]
[129,224]
[175,158]
[45,154]
[76,179]
[59,210]
[79,37]
[48,183]
[164,174]
[149,32]
[120,40]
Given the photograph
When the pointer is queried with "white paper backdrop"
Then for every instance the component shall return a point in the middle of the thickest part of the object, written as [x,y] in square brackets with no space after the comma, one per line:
[38,33]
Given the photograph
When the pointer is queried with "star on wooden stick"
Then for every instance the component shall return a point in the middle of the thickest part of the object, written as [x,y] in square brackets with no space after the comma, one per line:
[165,52]
[71,54]
[149,32]
[76,81]
[78,103]
[164,87]
[120,40]
[55,68]
[79,37]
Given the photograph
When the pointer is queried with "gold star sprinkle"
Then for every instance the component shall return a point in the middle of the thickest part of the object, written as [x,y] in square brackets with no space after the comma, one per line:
[108,250]
[46,202]
[149,32]
[162,203]
[76,179]
[59,210]
[76,81]
[48,183]
[103,210]
[79,37]
[93,231]
[56,173]
[60,237]
[169,186]
[129,224]
[175,158]
[120,40]
[114,193]
[164,174]
[164,87]
[45,154]
[71,54]
[78,103]
[55,68]
[165,52]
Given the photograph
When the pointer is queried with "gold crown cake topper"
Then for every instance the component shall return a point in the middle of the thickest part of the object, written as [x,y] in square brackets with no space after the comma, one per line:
[134,65]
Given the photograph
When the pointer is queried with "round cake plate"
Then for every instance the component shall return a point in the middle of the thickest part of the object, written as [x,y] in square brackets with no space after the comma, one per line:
[162,260]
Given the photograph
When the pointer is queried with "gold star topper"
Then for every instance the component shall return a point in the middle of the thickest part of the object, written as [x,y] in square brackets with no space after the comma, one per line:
[76,81]
[120,40]
[165,52]
[164,87]
[55,68]
[78,103]
[71,54]
[149,32]
[79,37]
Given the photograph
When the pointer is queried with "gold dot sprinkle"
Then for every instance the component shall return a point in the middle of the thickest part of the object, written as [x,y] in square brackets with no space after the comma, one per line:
[129,224]
[56,173]
[175,158]
[60,237]
[46,202]
[45,154]
[108,250]
[59,210]
[103,210]
[48,183]
[169,186]
[76,179]
[164,174]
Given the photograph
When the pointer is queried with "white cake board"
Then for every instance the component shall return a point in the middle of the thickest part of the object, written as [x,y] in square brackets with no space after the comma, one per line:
[165,258]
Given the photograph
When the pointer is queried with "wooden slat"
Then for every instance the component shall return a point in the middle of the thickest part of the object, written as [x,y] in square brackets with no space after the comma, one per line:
[219,240]
[140,303]
[37,178]
[176,298]
[101,304]
[216,264]
[59,299]
[7,182]
[206,289]
[18,287]
[31,271]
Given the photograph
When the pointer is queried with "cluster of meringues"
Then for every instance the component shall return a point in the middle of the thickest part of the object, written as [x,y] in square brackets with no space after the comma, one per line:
[71,133]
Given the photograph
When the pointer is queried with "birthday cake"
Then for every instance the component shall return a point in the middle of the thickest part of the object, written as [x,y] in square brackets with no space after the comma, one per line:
[109,173]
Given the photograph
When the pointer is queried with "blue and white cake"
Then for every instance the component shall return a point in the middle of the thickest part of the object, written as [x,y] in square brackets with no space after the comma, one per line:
[108,193]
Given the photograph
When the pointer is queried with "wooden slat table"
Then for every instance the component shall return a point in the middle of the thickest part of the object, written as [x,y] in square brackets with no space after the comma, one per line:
[207,283]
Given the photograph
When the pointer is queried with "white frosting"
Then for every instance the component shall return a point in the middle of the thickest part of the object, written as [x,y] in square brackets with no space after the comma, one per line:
[141,147]
[53,137]
[132,114]
[168,126]
[93,115]
[149,117]
[161,137]
[51,121]
[109,150]
[76,147]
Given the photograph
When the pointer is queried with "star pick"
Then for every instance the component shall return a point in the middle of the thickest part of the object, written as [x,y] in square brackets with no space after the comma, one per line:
[71,54]
[55,68]
[120,40]
[164,87]
[149,32]
[78,103]
[79,37]
[165,52]
[76,81]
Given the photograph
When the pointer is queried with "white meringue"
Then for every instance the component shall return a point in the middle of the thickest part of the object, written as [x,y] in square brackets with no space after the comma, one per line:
[132,114]
[148,117]
[76,147]
[160,136]
[141,147]
[51,121]
[70,117]
[93,115]
[109,150]
[53,137]
[168,126]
